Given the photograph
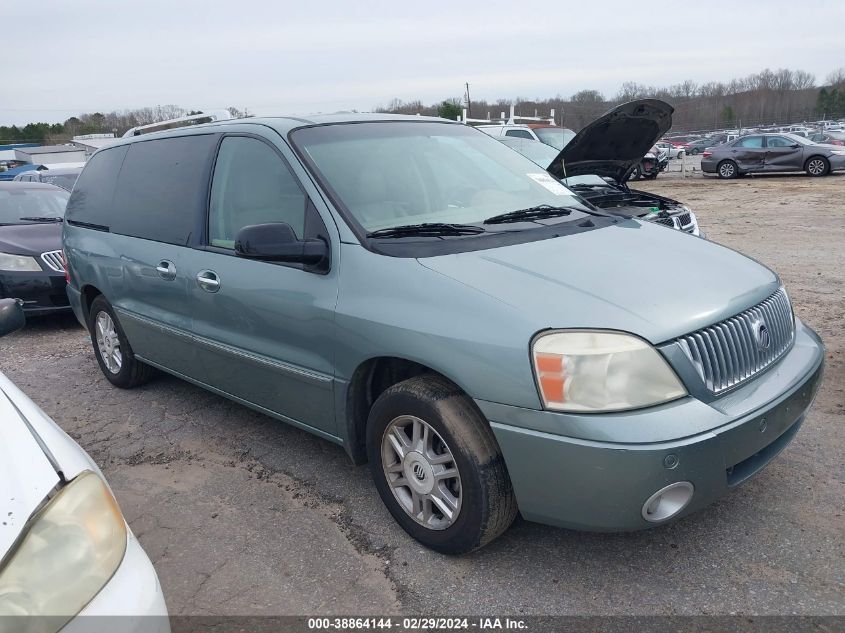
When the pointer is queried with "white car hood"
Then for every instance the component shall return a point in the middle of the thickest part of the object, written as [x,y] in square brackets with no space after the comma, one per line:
[26,474]
[29,440]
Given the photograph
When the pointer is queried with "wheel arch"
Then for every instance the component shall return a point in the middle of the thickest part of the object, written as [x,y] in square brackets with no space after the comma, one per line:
[369,380]
[89,292]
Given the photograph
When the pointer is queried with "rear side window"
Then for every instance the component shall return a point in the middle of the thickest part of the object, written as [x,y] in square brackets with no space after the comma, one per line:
[162,189]
[91,201]
[252,185]
[779,141]
[751,141]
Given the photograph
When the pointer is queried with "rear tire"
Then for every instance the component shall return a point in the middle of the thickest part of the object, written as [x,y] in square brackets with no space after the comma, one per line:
[727,169]
[695,151]
[817,166]
[448,456]
[112,349]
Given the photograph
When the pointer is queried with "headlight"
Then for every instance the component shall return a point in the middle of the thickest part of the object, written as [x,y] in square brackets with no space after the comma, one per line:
[838,152]
[70,550]
[18,263]
[584,371]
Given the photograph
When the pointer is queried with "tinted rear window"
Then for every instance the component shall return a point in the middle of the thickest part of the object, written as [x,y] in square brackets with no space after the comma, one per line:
[162,190]
[91,201]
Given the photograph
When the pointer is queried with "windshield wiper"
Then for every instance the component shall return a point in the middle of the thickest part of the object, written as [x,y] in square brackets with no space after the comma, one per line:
[44,219]
[428,229]
[531,213]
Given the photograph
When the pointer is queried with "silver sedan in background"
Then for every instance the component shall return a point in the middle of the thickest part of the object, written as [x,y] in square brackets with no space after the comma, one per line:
[772,153]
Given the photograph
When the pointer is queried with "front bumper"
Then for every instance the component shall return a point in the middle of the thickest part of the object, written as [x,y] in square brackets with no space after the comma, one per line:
[42,292]
[599,475]
[131,602]
[837,163]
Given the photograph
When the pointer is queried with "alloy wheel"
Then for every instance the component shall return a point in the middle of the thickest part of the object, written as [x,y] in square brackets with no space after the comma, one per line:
[108,342]
[726,170]
[421,472]
[816,167]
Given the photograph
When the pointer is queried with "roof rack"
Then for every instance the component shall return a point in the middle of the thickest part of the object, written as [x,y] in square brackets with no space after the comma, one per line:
[513,119]
[214,115]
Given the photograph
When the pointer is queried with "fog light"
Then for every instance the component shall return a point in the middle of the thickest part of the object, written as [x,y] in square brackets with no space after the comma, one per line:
[668,501]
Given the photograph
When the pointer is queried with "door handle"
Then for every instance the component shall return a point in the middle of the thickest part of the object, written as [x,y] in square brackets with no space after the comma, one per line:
[166,270]
[208,280]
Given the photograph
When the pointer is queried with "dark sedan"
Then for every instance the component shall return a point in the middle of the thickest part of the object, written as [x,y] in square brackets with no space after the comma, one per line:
[31,263]
[698,145]
[772,153]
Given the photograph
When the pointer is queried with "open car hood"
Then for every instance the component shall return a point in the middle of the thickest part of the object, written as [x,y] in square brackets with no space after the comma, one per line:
[613,144]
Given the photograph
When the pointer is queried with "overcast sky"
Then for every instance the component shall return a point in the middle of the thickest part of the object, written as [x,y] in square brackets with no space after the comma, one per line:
[284,57]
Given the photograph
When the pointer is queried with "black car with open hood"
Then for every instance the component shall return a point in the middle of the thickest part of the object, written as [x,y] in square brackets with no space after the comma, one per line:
[31,264]
[613,145]
[598,161]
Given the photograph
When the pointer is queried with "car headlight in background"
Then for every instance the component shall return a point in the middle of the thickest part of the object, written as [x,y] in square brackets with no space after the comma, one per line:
[592,371]
[21,263]
[70,550]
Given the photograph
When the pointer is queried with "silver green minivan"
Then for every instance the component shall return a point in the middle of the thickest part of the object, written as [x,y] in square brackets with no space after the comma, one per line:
[431,300]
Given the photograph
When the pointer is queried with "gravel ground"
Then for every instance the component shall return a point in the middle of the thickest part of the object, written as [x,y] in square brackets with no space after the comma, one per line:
[244,515]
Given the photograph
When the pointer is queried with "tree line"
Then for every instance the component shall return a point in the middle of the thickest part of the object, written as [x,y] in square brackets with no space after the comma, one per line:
[764,98]
[116,122]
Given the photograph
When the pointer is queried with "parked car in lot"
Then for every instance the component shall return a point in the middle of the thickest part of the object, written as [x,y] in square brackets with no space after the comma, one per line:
[671,149]
[584,168]
[695,147]
[31,265]
[828,138]
[441,307]
[650,164]
[551,135]
[63,177]
[65,548]
[772,152]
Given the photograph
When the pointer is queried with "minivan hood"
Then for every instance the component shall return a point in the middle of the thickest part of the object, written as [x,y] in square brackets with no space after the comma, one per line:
[26,474]
[30,239]
[613,144]
[634,276]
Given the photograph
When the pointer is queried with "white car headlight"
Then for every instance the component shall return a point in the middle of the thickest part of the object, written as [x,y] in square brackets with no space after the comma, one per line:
[19,263]
[70,550]
[838,152]
[592,371]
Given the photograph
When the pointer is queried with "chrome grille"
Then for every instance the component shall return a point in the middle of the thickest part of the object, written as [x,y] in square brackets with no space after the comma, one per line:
[732,351]
[685,219]
[54,260]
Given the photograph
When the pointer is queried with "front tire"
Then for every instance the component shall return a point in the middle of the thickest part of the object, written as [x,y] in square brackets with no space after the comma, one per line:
[727,169]
[817,166]
[437,466]
[112,349]
[695,151]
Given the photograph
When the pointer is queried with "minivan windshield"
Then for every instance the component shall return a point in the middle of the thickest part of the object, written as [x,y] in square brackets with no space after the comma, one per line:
[391,174]
[31,206]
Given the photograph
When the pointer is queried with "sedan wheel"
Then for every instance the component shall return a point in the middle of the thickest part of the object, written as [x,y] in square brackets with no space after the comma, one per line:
[727,169]
[817,166]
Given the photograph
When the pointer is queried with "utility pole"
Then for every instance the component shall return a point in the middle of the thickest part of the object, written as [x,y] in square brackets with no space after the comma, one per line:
[469,103]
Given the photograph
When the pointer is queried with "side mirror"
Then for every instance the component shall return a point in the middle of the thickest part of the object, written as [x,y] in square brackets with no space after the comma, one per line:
[11,316]
[276,242]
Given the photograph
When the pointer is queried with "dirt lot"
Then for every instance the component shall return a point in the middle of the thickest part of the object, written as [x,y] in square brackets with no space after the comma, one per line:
[243,515]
